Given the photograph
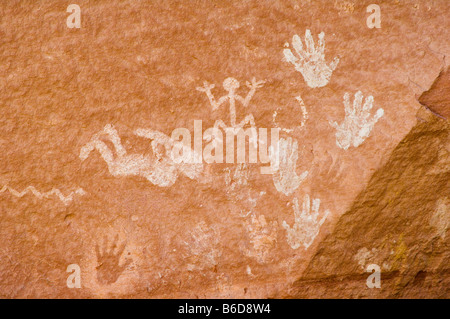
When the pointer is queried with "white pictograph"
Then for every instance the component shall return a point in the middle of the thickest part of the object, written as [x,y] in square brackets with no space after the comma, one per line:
[203,245]
[237,189]
[54,192]
[161,170]
[364,255]
[237,178]
[311,61]
[285,177]
[304,114]
[263,237]
[231,85]
[306,226]
[357,124]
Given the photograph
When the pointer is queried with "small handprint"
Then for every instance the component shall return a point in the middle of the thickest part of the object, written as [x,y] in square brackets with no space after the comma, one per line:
[306,226]
[284,161]
[203,245]
[357,124]
[263,237]
[311,62]
[109,269]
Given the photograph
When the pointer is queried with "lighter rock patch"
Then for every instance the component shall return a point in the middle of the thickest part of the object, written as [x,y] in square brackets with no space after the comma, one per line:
[441,217]
[364,255]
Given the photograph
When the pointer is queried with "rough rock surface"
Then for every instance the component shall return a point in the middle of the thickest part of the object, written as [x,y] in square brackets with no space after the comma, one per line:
[227,231]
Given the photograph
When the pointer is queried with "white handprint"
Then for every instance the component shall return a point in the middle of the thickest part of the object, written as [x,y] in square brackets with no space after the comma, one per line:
[263,237]
[284,160]
[357,124]
[203,246]
[306,226]
[311,62]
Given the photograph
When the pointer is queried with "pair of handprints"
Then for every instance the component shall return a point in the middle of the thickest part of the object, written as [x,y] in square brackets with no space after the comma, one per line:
[310,62]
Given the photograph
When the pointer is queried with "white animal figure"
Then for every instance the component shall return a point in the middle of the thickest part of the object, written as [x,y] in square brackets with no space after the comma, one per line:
[231,85]
[161,171]
[285,177]
[311,61]
[306,226]
[357,124]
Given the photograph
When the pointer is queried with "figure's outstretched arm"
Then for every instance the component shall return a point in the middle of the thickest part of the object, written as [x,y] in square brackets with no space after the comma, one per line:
[245,102]
[212,100]
[151,134]
[253,86]
[114,137]
[104,151]
[158,138]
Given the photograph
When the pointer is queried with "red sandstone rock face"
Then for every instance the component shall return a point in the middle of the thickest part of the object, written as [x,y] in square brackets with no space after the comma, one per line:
[376,188]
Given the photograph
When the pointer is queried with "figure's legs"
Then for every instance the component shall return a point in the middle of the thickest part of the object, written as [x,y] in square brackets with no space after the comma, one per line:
[104,151]
[161,174]
[217,125]
[249,119]
[220,124]
[157,138]
[86,150]
[114,137]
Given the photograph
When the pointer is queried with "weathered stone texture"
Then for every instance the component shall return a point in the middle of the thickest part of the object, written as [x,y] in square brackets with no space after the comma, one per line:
[137,64]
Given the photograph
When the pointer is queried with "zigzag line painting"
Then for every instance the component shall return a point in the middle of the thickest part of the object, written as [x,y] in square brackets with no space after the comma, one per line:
[311,61]
[66,200]
[162,170]
[357,124]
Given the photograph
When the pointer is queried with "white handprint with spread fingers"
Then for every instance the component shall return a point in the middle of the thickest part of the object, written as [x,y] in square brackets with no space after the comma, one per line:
[284,162]
[306,226]
[357,124]
[311,61]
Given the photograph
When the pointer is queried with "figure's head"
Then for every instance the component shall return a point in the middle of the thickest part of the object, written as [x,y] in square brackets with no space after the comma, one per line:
[230,84]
